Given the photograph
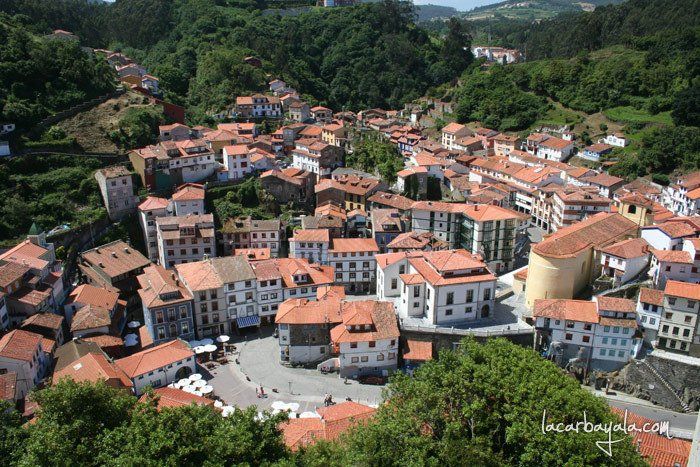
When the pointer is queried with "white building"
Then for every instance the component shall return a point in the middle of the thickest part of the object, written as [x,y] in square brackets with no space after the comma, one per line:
[158,366]
[117,190]
[623,261]
[446,287]
[315,156]
[311,244]
[683,196]
[650,307]
[188,199]
[246,233]
[354,263]
[236,161]
[678,329]
[21,352]
[617,139]
[367,341]
[150,209]
[184,239]
[669,235]
[4,315]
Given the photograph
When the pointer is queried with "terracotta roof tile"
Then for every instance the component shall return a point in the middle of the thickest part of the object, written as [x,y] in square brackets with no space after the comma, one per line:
[683,290]
[311,235]
[172,397]
[672,256]
[380,315]
[349,245]
[565,309]
[154,358]
[303,311]
[93,368]
[626,249]
[19,345]
[8,386]
[616,304]
[418,350]
[651,296]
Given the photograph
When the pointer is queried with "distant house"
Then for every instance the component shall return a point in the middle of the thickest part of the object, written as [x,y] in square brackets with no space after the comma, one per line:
[322,114]
[60,34]
[617,139]
[259,105]
[595,151]
[21,352]
[158,366]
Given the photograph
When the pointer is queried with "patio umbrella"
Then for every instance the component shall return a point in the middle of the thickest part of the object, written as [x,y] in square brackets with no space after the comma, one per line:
[172,385]
[199,350]
[227,410]
[293,406]
[183,382]
[189,389]
[195,376]
[222,339]
[198,384]
[279,405]
[309,415]
[133,324]
[206,389]
[206,341]
[209,348]
[218,404]
[197,393]
[194,344]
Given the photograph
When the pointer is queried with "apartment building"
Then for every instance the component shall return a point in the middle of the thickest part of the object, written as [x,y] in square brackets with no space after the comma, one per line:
[245,233]
[348,191]
[237,164]
[367,340]
[312,244]
[354,263]
[678,326]
[451,133]
[113,266]
[167,305]
[117,188]
[386,225]
[259,105]
[442,219]
[316,156]
[683,196]
[21,352]
[572,206]
[149,210]
[184,239]
[625,260]
[650,307]
[188,199]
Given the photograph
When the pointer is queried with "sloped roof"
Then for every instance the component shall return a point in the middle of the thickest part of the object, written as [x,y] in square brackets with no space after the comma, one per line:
[156,357]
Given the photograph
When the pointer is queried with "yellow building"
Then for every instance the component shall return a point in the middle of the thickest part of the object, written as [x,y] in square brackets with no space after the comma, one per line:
[636,208]
[335,135]
[565,263]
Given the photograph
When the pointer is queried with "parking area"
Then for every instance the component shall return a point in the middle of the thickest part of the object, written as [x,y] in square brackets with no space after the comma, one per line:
[257,364]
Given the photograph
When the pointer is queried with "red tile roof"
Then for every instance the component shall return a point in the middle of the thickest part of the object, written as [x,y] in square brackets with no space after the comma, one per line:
[303,311]
[596,231]
[93,367]
[156,357]
[311,235]
[573,310]
[418,350]
[672,256]
[616,304]
[349,245]
[20,345]
[626,249]
[172,397]
[189,192]
[651,296]
[682,289]
[379,315]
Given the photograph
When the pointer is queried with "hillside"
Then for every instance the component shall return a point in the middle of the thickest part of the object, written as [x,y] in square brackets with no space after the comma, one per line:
[531,10]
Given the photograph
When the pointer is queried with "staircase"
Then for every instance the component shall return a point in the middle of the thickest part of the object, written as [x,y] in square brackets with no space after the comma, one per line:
[676,392]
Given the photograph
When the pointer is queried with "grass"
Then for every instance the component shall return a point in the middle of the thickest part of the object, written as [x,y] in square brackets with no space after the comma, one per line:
[559,115]
[627,114]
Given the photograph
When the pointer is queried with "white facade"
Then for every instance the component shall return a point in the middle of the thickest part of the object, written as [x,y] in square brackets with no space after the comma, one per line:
[117,191]
[163,376]
[614,343]
[615,140]
[29,373]
[368,357]
[185,239]
[314,251]
[649,318]
[147,220]
[236,162]
[623,269]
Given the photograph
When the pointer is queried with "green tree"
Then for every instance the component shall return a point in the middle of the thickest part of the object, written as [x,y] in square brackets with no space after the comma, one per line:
[374,154]
[138,127]
[686,107]
[12,435]
[480,405]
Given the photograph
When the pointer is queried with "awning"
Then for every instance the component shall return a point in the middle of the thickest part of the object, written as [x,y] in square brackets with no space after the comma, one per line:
[248,321]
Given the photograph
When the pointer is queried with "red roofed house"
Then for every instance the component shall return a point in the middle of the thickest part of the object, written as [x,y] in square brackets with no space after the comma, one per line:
[678,328]
[159,365]
[415,353]
[367,340]
[354,263]
[172,397]
[451,132]
[304,328]
[259,105]
[599,333]
[311,244]
[21,352]
[683,197]
[623,261]
[650,307]
[289,184]
[334,421]
[94,367]
[236,162]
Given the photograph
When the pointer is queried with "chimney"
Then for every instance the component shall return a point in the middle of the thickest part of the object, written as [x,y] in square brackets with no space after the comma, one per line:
[114,254]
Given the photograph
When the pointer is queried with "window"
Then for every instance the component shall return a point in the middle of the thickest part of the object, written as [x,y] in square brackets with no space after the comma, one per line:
[354,359]
[380,357]
[671,300]
[160,317]
[621,353]
[353,345]
[322,350]
[364,358]
[568,336]
[623,342]
[393,283]
[470,296]
[586,338]
[450,298]
[183,312]
[372,344]
[416,291]
[392,355]
[448,312]
[691,304]
[605,340]
[602,351]
[487,294]
[613,341]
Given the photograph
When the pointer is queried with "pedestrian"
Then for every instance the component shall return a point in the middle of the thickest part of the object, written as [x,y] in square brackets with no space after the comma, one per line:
[257,393]
[262,392]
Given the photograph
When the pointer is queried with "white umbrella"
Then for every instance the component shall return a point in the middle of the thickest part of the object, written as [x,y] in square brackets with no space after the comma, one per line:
[189,389]
[222,338]
[217,404]
[227,410]
[198,384]
[209,348]
[309,415]
[195,376]
[183,382]
[199,350]
[133,324]
[293,406]
[206,341]
[172,385]
[206,389]
[279,405]
[197,393]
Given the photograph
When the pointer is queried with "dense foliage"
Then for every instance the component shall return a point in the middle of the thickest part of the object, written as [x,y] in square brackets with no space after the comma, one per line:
[40,76]
[373,154]
[242,200]
[480,405]
[50,190]
[137,127]
[94,424]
